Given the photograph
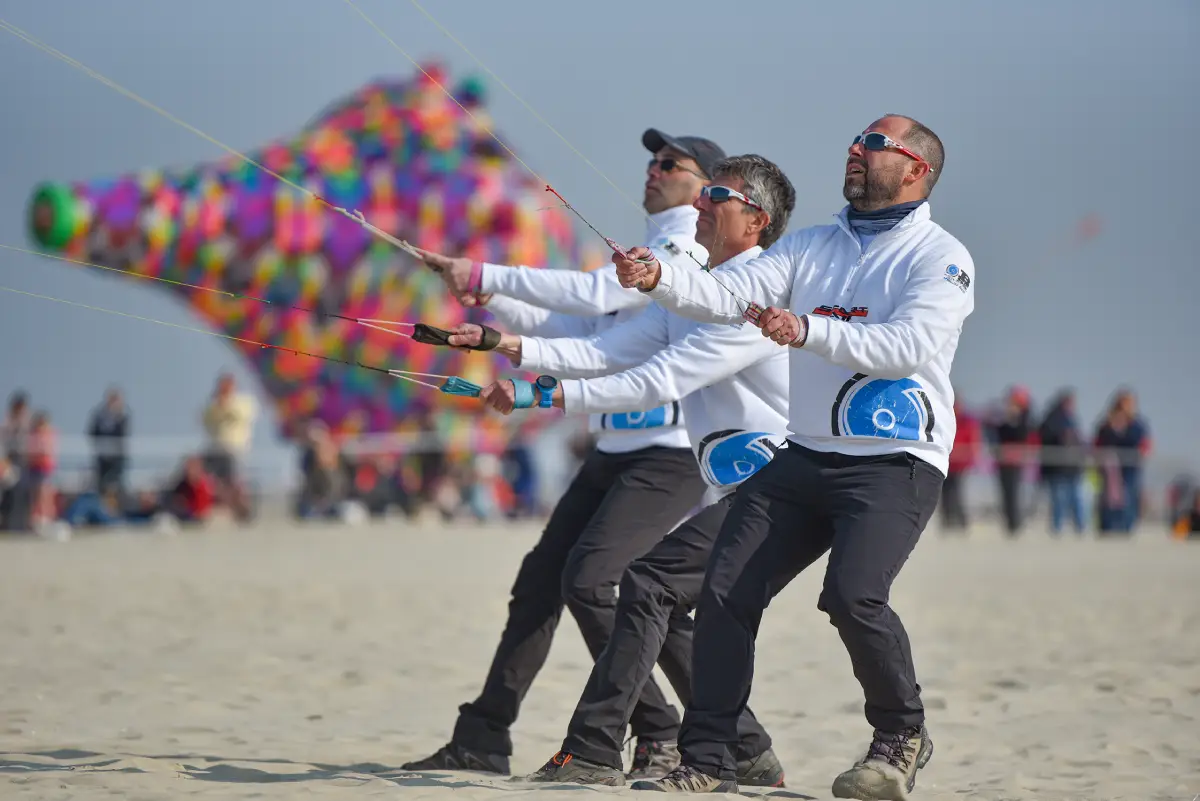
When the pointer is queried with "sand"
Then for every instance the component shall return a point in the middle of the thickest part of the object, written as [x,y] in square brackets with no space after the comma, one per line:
[289,662]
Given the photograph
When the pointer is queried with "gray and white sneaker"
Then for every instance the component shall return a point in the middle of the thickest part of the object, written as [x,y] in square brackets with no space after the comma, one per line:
[889,770]
[564,768]
[654,759]
[686,779]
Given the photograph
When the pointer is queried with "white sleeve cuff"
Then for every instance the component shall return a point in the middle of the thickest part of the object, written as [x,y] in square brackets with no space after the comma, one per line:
[572,390]
[531,354]
[818,334]
[663,287]
[489,276]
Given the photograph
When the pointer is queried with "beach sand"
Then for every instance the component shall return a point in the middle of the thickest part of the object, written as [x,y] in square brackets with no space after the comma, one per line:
[310,662]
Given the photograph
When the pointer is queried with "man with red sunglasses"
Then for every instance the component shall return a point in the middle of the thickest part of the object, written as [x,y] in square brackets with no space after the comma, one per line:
[871,307]
[640,480]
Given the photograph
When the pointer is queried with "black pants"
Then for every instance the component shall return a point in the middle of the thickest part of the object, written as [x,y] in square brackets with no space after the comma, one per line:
[658,591]
[868,512]
[110,473]
[954,510]
[616,509]
[1010,497]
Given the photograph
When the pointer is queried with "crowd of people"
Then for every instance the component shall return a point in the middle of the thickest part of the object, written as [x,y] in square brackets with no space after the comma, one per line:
[1089,481]
[32,500]
[342,484]
[335,482]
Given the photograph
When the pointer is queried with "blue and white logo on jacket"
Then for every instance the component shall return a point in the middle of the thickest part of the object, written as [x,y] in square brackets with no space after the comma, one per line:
[667,415]
[884,408]
[732,456]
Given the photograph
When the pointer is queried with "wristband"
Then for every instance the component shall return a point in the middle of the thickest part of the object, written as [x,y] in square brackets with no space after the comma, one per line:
[429,335]
[523,395]
[802,334]
[476,279]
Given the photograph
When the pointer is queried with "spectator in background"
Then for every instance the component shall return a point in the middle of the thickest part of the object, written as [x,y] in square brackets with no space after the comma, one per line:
[41,460]
[968,444]
[192,497]
[521,476]
[9,476]
[229,422]
[109,432]
[375,482]
[486,494]
[1179,497]
[1122,444]
[323,473]
[1062,461]
[15,501]
[431,458]
[1014,435]
[1187,524]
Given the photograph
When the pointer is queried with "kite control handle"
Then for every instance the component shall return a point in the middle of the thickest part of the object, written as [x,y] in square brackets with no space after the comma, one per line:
[430,335]
[753,310]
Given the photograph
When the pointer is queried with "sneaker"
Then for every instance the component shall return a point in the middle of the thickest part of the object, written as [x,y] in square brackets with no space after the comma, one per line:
[889,770]
[454,757]
[654,759]
[763,770]
[568,768]
[686,779]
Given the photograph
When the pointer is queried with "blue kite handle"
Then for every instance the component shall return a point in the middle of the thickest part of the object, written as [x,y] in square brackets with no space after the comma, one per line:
[461,386]
[524,396]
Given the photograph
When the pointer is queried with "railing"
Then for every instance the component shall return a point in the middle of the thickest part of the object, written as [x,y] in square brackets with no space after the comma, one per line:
[156,458]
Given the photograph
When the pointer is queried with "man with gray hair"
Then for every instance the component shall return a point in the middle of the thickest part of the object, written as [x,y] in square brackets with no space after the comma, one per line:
[733,386]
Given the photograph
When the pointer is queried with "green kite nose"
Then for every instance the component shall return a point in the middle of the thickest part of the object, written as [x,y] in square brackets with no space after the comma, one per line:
[56,215]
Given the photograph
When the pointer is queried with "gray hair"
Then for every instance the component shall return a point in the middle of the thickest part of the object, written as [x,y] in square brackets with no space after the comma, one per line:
[765,184]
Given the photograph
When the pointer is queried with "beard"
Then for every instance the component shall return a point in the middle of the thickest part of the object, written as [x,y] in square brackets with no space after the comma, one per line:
[877,189]
[654,202]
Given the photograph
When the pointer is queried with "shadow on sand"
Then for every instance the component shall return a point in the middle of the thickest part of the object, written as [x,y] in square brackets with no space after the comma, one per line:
[234,770]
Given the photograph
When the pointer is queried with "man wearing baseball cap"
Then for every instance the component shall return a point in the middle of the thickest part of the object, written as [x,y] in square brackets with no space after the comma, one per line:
[640,481]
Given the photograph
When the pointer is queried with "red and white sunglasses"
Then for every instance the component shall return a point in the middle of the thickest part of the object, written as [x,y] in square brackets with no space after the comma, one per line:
[874,140]
[722,194]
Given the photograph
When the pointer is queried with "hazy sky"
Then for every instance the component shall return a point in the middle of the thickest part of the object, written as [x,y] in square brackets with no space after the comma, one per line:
[1049,110]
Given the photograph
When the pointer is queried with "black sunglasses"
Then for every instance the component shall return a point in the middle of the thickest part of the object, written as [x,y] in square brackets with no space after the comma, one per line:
[670,165]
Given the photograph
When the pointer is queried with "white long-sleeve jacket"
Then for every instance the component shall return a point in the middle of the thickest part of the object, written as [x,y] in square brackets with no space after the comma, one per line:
[571,303]
[884,325]
[731,382]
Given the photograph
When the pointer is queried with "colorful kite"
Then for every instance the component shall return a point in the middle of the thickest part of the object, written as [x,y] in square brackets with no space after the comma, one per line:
[416,165]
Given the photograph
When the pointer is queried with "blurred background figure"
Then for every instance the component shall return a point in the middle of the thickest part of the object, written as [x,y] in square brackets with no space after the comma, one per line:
[1122,444]
[488,496]
[1014,434]
[41,459]
[1187,521]
[323,474]
[968,446]
[229,422]
[194,494]
[1062,463]
[15,501]
[109,432]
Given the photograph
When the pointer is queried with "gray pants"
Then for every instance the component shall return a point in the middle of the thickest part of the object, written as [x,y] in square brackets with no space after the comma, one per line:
[868,512]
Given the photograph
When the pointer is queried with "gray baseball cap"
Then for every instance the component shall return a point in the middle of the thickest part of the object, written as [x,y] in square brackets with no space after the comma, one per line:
[706,152]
